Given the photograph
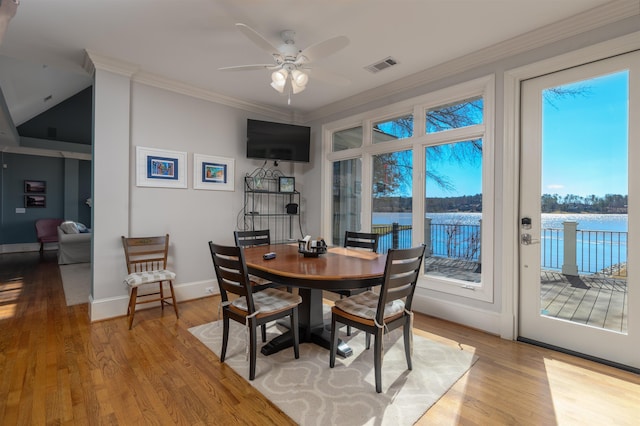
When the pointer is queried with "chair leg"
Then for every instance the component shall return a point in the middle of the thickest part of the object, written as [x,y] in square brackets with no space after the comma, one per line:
[333,348]
[367,340]
[131,310]
[162,301]
[225,337]
[173,298]
[253,328]
[407,342]
[263,330]
[296,332]
[377,361]
[348,327]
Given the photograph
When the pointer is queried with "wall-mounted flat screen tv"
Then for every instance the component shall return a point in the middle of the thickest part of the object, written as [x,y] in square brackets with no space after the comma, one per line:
[276,141]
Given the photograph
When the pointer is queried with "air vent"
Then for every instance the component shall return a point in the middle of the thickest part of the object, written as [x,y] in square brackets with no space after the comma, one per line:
[381,65]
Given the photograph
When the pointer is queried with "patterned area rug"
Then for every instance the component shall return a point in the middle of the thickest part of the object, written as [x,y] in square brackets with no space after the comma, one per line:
[311,393]
[76,281]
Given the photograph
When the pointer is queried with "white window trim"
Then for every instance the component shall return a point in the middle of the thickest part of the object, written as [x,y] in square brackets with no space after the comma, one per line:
[509,271]
[484,87]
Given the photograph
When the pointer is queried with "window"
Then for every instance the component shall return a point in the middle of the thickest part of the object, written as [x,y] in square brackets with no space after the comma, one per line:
[392,200]
[346,198]
[347,139]
[453,210]
[454,116]
[433,187]
[394,129]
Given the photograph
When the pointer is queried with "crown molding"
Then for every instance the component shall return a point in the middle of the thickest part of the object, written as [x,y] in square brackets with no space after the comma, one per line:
[561,30]
[575,25]
[46,152]
[176,86]
[93,61]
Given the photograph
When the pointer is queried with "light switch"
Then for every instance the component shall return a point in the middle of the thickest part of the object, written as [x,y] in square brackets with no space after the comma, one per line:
[20,210]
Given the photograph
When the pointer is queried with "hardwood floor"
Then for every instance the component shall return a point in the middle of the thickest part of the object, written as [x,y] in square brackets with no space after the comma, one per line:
[57,368]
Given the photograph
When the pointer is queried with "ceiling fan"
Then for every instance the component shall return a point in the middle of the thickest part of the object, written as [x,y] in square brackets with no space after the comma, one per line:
[291,67]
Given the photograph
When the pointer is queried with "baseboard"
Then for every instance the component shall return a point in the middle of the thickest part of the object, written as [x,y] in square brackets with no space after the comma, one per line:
[113,307]
[26,247]
[460,314]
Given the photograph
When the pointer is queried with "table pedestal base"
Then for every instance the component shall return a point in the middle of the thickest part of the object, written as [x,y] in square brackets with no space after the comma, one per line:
[312,327]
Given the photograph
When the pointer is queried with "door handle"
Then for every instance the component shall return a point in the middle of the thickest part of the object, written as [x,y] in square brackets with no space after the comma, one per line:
[525,240]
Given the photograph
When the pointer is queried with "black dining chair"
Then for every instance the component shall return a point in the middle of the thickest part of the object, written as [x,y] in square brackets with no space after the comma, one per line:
[252,308]
[260,237]
[360,240]
[378,314]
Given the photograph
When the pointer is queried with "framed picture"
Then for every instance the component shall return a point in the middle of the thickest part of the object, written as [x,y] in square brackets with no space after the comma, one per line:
[35,201]
[160,168]
[35,186]
[286,184]
[213,173]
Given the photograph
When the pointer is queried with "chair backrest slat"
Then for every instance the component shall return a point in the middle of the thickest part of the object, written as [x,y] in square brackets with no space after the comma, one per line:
[146,253]
[400,277]
[231,272]
[252,238]
[364,240]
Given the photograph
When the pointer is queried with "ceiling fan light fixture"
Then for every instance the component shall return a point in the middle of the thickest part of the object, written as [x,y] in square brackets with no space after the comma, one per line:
[296,88]
[300,78]
[279,79]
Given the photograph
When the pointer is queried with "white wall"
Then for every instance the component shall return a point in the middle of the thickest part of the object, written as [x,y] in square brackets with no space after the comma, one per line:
[164,119]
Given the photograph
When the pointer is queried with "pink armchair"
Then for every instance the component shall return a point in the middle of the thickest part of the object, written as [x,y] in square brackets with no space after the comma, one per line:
[47,231]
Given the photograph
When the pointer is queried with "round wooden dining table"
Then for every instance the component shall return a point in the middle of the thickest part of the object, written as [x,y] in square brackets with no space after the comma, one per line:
[338,269]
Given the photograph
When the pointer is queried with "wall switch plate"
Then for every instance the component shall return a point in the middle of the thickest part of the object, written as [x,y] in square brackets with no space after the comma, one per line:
[20,210]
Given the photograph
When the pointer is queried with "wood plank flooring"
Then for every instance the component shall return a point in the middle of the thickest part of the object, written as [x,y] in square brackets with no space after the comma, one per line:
[57,368]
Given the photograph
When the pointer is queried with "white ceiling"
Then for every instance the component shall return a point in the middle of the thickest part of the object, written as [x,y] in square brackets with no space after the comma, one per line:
[186,41]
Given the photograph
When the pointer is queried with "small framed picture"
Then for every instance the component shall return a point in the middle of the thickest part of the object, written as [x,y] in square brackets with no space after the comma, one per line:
[35,186]
[161,168]
[35,201]
[213,173]
[286,184]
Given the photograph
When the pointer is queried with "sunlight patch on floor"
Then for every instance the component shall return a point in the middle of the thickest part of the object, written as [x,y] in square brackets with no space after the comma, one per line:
[10,291]
[573,386]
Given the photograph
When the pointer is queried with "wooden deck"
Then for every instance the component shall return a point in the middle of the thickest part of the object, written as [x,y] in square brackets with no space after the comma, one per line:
[595,300]
[592,299]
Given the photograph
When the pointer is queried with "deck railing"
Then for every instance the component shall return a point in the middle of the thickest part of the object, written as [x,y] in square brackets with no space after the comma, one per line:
[589,252]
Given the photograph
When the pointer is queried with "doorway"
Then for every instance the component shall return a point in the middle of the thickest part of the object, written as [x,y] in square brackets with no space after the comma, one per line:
[578,214]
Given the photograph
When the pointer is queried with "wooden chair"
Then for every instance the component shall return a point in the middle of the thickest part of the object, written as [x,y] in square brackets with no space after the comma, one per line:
[379,314]
[47,231]
[362,240]
[251,308]
[260,237]
[146,259]
[252,238]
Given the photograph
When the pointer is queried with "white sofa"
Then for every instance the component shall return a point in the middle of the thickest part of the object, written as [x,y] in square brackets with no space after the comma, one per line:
[74,246]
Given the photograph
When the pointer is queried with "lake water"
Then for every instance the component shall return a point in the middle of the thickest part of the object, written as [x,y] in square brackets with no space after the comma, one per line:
[595,250]
[586,222]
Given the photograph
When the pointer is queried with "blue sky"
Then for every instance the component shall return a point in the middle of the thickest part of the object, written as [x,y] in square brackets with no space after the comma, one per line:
[584,144]
[585,139]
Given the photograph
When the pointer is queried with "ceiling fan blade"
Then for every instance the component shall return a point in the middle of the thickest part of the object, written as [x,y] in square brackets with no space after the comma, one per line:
[249,67]
[324,48]
[258,39]
[328,77]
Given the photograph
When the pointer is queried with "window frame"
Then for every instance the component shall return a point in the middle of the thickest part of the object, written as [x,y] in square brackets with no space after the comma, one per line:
[418,106]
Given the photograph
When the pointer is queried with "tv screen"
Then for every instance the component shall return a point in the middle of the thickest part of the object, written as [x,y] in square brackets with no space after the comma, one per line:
[277,141]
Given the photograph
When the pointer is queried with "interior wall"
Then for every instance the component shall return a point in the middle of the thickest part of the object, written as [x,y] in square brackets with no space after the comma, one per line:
[163,119]
[18,229]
